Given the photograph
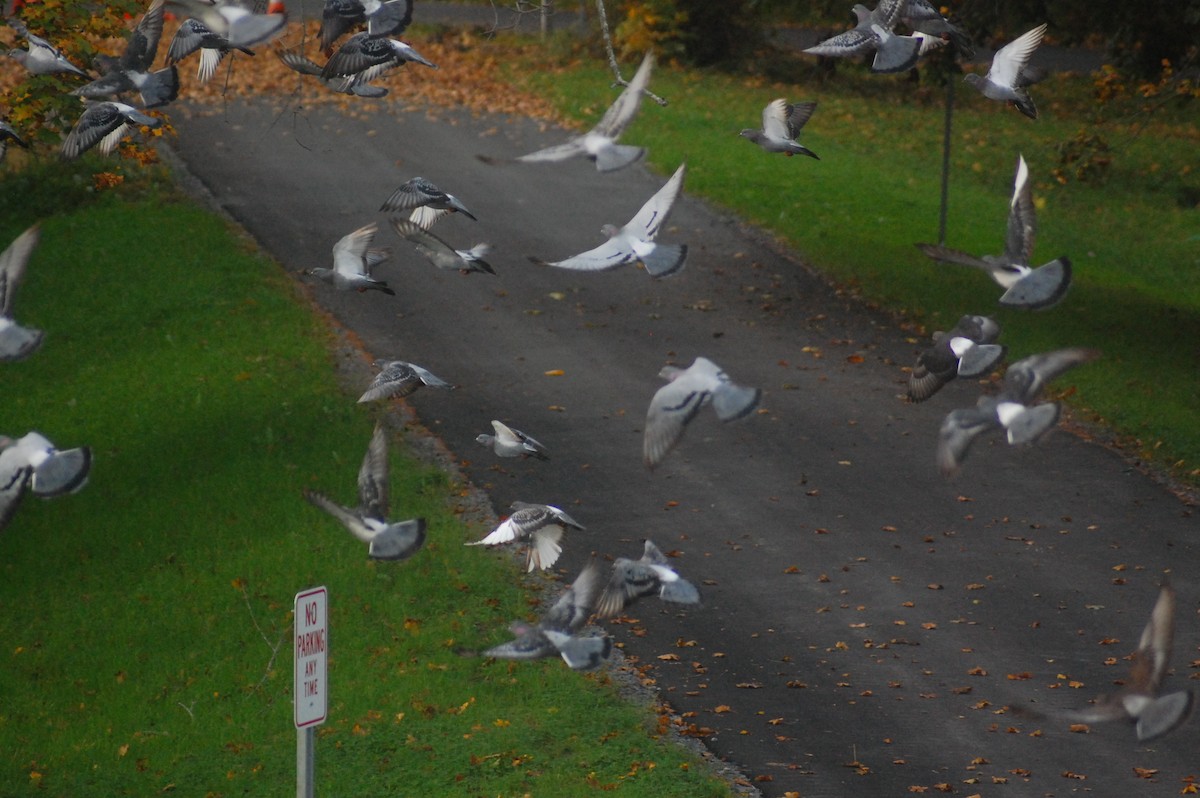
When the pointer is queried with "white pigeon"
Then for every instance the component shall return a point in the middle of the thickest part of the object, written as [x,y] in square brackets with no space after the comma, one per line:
[399,378]
[1010,75]
[42,58]
[1012,410]
[600,143]
[104,124]
[687,390]
[634,243]
[1140,700]
[648,576]
[510,442]
[386,540]
[353,260]
[194,35]
[16,342]
[1026,287]
[240,26]
[781,124]
[35,464]
[967,350]
[542,526]
[441,254]
[874,33]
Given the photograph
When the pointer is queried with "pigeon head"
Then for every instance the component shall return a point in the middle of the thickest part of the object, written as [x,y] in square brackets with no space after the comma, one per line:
[973,80]
[610,230]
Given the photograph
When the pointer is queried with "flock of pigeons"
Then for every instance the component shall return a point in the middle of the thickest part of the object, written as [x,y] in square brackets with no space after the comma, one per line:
[218,27]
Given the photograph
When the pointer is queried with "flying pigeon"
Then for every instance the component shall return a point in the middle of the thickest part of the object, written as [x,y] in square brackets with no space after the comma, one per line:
[924,18]
[651,575]
[103,124]
[193,35]
[7,134]
[635,241]
[368,522]
[42,58]
[353,260]
[556,632]
[398,378]
[542,526]
[600,143]
[131,72]
[781,124]
[441,254]
[32,462]
[390,18]
[426,201]
[362,58]
[677,403]
[1010,75]
[1012,409]
[306,66]
[1025,286]
[16,342]
[874,33]
[1139,699]
[509,442]
[240,26]
[968,350]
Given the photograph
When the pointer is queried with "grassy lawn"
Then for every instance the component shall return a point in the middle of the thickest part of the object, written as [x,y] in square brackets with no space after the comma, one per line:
[147,619]
[1133,236]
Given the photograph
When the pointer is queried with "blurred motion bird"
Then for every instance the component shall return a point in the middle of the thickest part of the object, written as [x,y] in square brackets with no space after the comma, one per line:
[874,33]
[131,72]
[239,25]
[648,576]
[353,261]
[510,442]
[362,59]
[426,201]
[16,342]
[382,17]
[781,124]
[306,66]
[441,254]
[1010,75]
[41,57]
[398,378]
[194,35]
[542,526]
[967,350]
[32,463]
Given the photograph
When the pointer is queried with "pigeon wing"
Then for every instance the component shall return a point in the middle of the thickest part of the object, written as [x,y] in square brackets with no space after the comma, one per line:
[625,107]
[948,255]
[653,215]
[1040,288]
[609,255]
[1022,218]
[559,152]
[373,476]
[1011,59]
[12,266]
[391,19]
[350,251]
[351,520]
[398,541]
[1026,378]
[674,405]
[959,430]
[434,249]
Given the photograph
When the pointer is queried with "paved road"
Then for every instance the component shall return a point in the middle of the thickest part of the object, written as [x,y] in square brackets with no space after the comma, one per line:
[862,615]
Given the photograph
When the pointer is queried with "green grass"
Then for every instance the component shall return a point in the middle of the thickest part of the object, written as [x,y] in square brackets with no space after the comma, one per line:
[1134,237]
[146,620]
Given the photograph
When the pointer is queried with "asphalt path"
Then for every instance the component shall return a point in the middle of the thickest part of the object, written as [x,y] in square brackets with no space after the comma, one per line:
[865,620]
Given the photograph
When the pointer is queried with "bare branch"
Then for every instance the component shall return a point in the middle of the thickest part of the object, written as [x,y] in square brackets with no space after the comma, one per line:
[612,56]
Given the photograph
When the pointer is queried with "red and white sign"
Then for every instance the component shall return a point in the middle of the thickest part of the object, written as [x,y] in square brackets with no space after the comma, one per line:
[311,689]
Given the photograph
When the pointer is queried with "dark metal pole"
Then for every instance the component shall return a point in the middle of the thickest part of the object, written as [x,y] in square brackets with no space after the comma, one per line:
[946,161]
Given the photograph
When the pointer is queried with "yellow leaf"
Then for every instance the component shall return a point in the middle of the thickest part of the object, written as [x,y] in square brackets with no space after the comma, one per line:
[554,373]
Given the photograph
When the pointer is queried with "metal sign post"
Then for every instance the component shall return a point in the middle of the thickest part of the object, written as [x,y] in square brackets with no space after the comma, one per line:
[310,689]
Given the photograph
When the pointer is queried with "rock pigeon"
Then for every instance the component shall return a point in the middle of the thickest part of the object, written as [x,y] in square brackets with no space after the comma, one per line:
[1139,700]
[193,35]
[16,342]
[7,134]
[924,18]
[353,260]
[33,463]
[634,243]
[104,124]
[677,403]
[42,58]
[240,26]
[1025,286]
[1010,75]
[509,442]
[441,254]
[781,124]
[386,540]
[600,143]
[556,632]
[968,350]
[390,18]
[874,33]
[651,575]
[362,58]
[397,378]
[306,66]
[426,201]
[1012,409]
[131,72]
[542,526]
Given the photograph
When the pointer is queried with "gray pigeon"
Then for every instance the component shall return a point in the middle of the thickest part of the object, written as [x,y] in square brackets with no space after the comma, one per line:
[1025,286]
[238,25]
[16,342]
[687,390]
[42,58]
[600,143]
[131,72]
[382,17]
[363,58]
[306,66]
[441,254]
[556,632]
[386,540]
[542,526]
[103,124]
[1012,410]
[7,134]
[924,18]
[634,243]
[35,464]
[1140,699]
[509,442]
[651,575]
[398,378]
[418,194]
[874,33]
[781,124]
[193,35]
[968,350]
[353,261]
[1010,75]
